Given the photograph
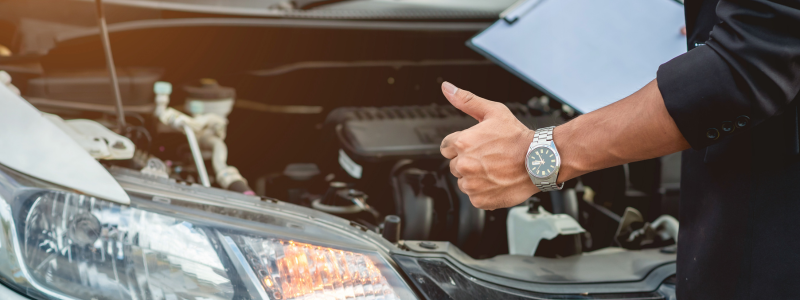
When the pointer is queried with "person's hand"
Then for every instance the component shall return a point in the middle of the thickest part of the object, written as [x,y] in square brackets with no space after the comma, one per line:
[489,158]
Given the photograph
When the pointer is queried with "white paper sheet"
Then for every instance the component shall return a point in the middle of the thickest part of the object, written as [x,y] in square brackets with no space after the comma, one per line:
[587,53]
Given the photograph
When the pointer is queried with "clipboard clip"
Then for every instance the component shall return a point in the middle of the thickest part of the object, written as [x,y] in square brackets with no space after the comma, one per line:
[518,10]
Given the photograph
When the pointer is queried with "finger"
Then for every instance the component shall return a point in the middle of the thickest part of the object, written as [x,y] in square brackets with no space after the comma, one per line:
[683,30]
[467,102]
[453,170]
[448,148]
[467,166]
[460,184]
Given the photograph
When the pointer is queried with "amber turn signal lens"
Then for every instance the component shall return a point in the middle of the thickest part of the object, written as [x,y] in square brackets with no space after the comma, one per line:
[292,270]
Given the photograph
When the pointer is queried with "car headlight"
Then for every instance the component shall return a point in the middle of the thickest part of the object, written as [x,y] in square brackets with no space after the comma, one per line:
[63,245]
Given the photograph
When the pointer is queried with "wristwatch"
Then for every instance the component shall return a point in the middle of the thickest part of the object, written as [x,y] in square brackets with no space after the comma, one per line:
[542,160]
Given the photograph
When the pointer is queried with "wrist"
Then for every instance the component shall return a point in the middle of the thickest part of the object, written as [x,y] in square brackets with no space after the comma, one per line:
[572,164]
[525,142]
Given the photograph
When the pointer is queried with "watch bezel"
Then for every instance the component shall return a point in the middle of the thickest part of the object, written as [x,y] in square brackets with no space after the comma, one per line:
[551,146]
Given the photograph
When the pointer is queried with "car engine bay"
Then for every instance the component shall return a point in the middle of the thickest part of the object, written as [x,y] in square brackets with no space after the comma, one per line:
[347,121]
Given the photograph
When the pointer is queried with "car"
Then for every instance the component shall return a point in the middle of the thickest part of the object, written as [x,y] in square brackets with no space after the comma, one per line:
[289,150]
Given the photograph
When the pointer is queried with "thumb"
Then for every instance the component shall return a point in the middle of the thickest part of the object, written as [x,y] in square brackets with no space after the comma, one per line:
[467,102]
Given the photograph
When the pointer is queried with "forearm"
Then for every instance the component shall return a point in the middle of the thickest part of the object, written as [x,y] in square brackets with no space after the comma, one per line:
[632,129]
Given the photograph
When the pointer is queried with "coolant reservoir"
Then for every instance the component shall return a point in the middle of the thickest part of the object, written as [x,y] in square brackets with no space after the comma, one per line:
[209,98]
[527,227]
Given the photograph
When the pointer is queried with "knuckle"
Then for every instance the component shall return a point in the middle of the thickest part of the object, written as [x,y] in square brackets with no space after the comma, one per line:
[448,138]
[467,97]
[501,110]
[467,167]
[447,147]
[461,144]
[469,186]
[500,107]
[459,167]
[462,182]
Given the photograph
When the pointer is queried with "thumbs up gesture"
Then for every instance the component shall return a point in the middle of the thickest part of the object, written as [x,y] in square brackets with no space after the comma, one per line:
[489,158]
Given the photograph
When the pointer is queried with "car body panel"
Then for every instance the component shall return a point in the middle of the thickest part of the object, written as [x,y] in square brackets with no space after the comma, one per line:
[31,144]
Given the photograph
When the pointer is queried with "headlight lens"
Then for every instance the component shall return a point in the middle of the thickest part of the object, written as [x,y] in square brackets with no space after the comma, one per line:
[70,246]
[290,270]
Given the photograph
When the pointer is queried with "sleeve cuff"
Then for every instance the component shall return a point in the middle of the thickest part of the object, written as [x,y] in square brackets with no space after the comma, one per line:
[701,95]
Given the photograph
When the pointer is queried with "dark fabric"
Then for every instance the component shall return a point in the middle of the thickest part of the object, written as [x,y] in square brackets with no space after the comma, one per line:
[699,18]
[700,93]
[740,217]
[749,66]
[740,190]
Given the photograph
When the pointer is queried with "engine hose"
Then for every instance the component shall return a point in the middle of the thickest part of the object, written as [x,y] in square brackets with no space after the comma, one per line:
[198,156]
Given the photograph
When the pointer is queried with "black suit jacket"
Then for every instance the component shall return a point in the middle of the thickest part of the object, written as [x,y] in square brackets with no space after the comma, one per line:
[733,98]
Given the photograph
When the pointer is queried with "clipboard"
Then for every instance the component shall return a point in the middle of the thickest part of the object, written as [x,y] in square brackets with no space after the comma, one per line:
[585,53]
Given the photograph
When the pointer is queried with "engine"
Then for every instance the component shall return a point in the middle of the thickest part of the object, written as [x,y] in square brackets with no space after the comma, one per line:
[392,154]
[355,155]
[379,167]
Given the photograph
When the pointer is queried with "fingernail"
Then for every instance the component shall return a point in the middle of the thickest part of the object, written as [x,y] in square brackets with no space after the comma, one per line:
[449,88]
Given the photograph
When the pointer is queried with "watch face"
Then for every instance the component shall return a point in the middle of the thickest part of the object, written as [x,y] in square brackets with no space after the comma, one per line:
[541,162]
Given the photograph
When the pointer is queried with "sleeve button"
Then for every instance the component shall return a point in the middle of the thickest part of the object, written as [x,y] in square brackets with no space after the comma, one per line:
[742,121]
[727,127]
[712,133]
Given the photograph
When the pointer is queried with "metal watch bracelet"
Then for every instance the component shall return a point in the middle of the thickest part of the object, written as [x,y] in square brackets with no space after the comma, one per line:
[544,136]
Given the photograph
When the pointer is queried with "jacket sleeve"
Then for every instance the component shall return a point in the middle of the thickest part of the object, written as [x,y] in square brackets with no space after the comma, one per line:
[747,71]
